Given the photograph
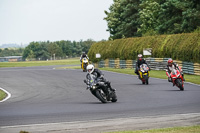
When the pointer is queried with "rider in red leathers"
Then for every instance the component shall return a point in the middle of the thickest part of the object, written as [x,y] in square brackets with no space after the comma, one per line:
[170,66]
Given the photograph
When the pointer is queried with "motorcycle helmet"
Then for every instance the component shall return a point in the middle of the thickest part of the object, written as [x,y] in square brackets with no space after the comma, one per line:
[90,68]
[170,61]
[83,54]
[140,57]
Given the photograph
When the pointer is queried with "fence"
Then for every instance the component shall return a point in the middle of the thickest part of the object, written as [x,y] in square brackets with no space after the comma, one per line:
[11,59]
[154,63]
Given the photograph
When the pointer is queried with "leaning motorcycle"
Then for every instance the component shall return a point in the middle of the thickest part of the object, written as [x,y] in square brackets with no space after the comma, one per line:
[84,64]
[177,78]
[100,89]
[144,73]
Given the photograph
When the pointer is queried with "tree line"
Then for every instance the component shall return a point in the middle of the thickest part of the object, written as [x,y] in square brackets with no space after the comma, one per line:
[11,52]
[58,49]
[135,18]
[49,50]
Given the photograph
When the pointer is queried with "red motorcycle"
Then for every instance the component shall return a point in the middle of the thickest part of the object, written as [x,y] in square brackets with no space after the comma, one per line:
[177,78]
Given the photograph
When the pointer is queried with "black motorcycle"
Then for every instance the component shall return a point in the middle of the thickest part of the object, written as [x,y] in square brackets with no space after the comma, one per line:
[100,89]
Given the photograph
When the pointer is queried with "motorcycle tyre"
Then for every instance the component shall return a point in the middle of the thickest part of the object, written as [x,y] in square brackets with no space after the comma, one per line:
[85,66]
[100,96]
[146,79]
[180,84]
[114,97]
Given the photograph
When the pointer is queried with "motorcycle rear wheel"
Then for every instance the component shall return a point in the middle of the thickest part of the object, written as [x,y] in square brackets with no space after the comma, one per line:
[114,97]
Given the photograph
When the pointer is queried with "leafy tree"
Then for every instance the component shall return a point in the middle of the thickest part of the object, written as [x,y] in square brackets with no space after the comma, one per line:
[31,55]
[31,50]
[149,14]
[178,16]
[130,18]
[46,50]
[114,20]
[53,48]
[86,45]
[11,52]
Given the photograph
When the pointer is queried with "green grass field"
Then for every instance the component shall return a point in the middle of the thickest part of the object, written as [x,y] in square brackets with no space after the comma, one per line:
[72,61]
[191,129]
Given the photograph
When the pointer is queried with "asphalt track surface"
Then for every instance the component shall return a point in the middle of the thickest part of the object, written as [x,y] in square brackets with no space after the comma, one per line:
[47,95]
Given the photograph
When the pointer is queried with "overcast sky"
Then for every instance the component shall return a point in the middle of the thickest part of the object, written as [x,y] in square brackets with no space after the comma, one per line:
[24,21]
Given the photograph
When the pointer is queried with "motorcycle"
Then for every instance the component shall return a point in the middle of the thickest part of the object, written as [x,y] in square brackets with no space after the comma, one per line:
[84,64]
[177,78]
[144,73]
[100,89]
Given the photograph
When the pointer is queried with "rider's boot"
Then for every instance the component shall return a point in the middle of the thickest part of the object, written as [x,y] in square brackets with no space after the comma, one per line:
[173,84]
[108,83]
[112,89]
[183,77]
[169,79]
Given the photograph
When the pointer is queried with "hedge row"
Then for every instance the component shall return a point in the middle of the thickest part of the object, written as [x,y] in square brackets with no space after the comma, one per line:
[184,47]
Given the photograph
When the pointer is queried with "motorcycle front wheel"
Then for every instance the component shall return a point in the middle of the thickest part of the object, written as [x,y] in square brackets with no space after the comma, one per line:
[180,84]
[146,79]
[101,96]
[84,67]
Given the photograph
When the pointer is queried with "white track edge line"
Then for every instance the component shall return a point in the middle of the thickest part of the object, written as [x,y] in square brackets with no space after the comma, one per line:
[8,95]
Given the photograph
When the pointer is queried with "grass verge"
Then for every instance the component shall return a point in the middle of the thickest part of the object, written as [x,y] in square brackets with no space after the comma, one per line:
[191,129]
[2,95]
[153,73]
[71,61]
[156,74]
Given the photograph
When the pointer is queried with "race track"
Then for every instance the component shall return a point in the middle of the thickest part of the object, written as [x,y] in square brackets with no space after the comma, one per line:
[47,95]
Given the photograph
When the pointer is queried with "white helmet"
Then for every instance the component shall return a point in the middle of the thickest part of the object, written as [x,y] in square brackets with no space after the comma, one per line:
[90,68]
[140,56]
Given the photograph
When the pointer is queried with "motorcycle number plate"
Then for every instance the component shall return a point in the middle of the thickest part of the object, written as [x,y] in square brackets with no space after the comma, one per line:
[145,73]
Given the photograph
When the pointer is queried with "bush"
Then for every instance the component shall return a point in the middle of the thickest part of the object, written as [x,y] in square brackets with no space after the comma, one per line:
[185,47]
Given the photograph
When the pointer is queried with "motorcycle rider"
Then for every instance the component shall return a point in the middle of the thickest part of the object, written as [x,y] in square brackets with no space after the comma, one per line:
[170,66]
[139,62]
[99,75]
[84,55]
